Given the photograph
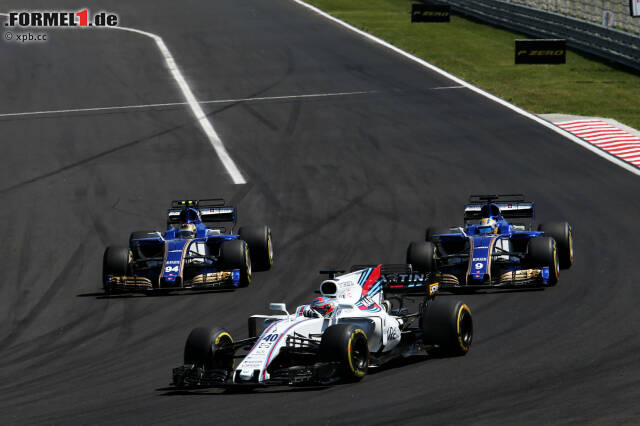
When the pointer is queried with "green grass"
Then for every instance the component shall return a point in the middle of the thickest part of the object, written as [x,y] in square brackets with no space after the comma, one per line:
[483,55]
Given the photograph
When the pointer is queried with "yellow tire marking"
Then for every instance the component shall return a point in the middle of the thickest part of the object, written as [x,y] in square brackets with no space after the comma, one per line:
[269,249]
[221,335]
[353,370]
[217,342]
[462,345]
[246,263]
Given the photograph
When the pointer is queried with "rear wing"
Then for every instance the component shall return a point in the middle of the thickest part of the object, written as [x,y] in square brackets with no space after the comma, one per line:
[211,210]
[401,279]
[512,206]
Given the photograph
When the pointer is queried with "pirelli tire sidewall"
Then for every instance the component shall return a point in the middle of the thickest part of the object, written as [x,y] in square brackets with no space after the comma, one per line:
[346,346]
[234,254]
[258,238]
[115,261]
[447,324]
[208,348]
[422,256]
[543,251]
[562,232]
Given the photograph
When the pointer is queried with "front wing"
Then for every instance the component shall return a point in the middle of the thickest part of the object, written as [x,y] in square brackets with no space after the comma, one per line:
[138,284]
[523,278]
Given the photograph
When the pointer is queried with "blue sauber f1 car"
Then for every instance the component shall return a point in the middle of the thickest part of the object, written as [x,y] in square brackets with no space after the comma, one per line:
[496,248]
[189,255]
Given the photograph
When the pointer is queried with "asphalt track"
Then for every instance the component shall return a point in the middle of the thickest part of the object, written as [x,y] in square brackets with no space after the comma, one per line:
[341,180]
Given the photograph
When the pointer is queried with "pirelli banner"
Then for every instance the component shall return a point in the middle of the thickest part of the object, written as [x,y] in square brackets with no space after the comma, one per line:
[551,51]
[635,8]
[430,12]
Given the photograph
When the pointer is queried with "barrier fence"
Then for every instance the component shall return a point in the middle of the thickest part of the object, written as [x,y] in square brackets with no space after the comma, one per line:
[542,21]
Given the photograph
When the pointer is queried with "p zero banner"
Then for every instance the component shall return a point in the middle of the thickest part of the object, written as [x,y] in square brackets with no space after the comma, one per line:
[635,7]
[552,51]
[430,12]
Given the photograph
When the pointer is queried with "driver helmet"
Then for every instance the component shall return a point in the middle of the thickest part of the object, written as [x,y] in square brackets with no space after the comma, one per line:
[488,226]
[187,230]
[324,306]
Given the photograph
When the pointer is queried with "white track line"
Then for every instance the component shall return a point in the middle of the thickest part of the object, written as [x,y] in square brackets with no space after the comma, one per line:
[469,86]
[197,111]
[170,104]
[200,116]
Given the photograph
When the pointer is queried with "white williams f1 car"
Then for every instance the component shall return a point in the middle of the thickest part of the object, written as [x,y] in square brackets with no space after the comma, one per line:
[361,320]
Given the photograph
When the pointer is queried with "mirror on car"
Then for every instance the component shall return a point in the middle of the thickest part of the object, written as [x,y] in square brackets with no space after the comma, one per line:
[281,307]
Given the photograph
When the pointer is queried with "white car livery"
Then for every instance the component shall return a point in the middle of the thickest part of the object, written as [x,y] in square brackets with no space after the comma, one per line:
[343,333]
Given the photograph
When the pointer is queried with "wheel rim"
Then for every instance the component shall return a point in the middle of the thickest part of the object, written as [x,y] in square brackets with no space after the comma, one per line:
[358,353]
[221,359]
[358,358]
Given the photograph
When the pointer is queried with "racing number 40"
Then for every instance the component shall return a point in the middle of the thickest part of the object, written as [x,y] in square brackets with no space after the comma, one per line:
[271,337]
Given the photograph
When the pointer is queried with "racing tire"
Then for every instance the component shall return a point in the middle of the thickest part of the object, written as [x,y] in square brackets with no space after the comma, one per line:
[435,230]
[563,234]
[116,261]
[422,256]
[448,324]
[143,234]
[258,238]
[542,251]
[137,254]
[209,348]
[234,254]
[346,345]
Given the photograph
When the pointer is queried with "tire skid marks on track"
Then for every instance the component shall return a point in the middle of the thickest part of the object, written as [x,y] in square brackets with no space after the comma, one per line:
[56,285]
[191,100]
[606,137]
[625,165]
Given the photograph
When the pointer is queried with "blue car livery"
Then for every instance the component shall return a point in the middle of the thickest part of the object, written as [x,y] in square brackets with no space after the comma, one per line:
[190,254]
[496,247]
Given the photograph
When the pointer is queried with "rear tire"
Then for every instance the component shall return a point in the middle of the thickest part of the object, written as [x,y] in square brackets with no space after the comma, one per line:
[258,238]
[563,234]
[208,348]
[346,345]
[235,255]
[541,252]
[116,261]
[421,256]
[448,324]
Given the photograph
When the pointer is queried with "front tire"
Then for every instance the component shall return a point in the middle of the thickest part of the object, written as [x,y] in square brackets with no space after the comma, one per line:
[346,345]
[563,234]
[209,348]
[448,324]
[541,252]
[116,261]
[421,256]
[258,238]
[235,255]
